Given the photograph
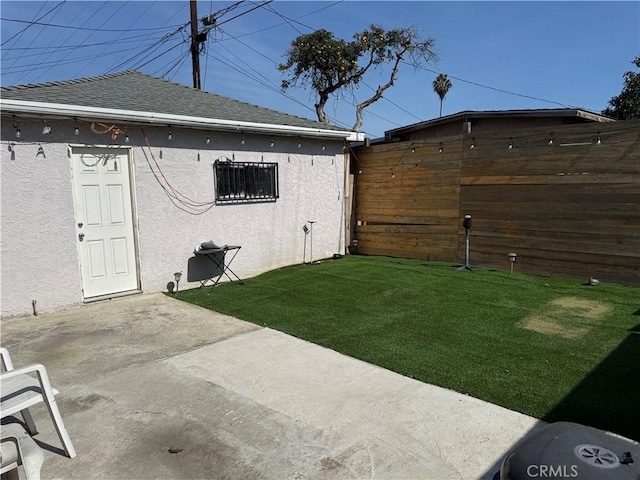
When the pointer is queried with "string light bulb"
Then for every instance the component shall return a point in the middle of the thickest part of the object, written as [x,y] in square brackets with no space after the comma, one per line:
[324,147]
[299,143]
[413,149]
[393,175]
[551,139]
[126,137]
[510,144]
[47,129]
[473,144]
[76,130]
[169,137]
[271,144]
[242,141]
[208,140]
[16,125]
[440,149]
[598,142]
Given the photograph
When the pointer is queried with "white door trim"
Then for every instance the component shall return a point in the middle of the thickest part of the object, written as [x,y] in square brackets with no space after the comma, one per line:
[106,221]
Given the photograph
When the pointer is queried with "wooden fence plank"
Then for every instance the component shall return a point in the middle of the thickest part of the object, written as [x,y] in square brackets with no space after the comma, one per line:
[568,208]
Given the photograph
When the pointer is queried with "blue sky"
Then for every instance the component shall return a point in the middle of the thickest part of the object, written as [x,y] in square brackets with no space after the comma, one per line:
[561,53]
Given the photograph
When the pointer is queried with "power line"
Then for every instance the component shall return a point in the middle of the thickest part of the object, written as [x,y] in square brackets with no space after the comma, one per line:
[157,56]
[101,53]
[54,40]
[70,37]
[266,84]
[165,38]
[110,30]
[283,23]
[494,88]
[286,19]
[36,36]
[57,63]
[245,12]
[70,47]
[160,42]
[32,23]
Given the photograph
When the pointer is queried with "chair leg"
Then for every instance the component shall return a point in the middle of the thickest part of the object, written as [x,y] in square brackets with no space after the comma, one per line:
[20,449]
[28,420]
[52,406]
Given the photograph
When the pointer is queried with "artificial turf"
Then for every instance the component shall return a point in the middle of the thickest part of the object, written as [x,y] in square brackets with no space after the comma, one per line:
[552,348]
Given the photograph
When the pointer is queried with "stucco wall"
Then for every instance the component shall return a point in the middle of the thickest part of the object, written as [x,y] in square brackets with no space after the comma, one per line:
[38,250]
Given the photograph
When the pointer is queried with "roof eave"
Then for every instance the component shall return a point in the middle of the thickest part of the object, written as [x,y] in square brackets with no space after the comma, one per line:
[64,110]
[472,114]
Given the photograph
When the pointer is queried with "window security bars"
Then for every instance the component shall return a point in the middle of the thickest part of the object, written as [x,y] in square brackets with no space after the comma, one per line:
[245,182]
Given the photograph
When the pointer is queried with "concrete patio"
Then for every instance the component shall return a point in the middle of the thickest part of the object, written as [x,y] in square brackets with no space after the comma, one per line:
[151,387]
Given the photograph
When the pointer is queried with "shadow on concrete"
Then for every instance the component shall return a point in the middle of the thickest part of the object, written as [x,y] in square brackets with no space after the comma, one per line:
[601,400]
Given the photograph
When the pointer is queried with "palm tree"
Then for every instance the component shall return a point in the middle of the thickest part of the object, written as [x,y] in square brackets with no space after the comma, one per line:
[441,86]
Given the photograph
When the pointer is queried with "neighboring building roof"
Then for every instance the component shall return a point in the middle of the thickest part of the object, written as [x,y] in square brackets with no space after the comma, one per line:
[133,91]
[471,114]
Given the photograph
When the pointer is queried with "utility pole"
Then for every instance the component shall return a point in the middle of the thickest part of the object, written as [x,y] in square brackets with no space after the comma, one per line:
[195,51]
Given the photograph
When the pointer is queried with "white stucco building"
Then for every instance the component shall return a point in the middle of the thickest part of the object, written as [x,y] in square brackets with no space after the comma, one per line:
[109,183]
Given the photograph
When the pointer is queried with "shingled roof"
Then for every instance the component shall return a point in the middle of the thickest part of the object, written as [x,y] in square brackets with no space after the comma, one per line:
[135,91]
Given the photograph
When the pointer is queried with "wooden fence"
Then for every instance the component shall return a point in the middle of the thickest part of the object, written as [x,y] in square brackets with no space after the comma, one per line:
[566,202]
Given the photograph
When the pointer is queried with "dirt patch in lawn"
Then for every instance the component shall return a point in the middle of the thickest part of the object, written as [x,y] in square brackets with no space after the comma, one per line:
[567,317]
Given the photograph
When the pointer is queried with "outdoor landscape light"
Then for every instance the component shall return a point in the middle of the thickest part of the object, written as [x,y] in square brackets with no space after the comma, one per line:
[177,276]
[512,259]
[466,223]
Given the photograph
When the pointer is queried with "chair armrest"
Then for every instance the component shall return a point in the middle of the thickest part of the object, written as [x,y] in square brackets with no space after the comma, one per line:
[37,368]
[7,364]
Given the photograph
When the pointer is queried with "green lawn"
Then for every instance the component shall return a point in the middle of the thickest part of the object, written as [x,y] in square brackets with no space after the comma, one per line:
[548,347]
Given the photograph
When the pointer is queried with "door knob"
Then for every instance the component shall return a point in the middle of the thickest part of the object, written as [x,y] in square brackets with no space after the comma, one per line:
[81,236]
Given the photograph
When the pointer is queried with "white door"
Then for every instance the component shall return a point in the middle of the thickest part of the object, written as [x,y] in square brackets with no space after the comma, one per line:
[104,220]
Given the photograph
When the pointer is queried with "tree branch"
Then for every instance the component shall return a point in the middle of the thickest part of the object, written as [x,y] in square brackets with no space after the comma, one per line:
[379,91]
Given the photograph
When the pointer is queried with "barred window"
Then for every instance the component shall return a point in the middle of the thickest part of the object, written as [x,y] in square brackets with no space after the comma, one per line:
[245,182]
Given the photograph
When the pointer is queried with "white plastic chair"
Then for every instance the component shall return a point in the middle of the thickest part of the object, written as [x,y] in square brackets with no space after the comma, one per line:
[18,448]
[20,389]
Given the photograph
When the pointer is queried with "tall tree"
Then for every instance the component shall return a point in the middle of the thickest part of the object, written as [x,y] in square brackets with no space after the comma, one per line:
[626,106]
[441,86]
[328,64]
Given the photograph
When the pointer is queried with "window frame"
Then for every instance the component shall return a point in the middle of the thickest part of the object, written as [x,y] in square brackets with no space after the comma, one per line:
[245,182]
